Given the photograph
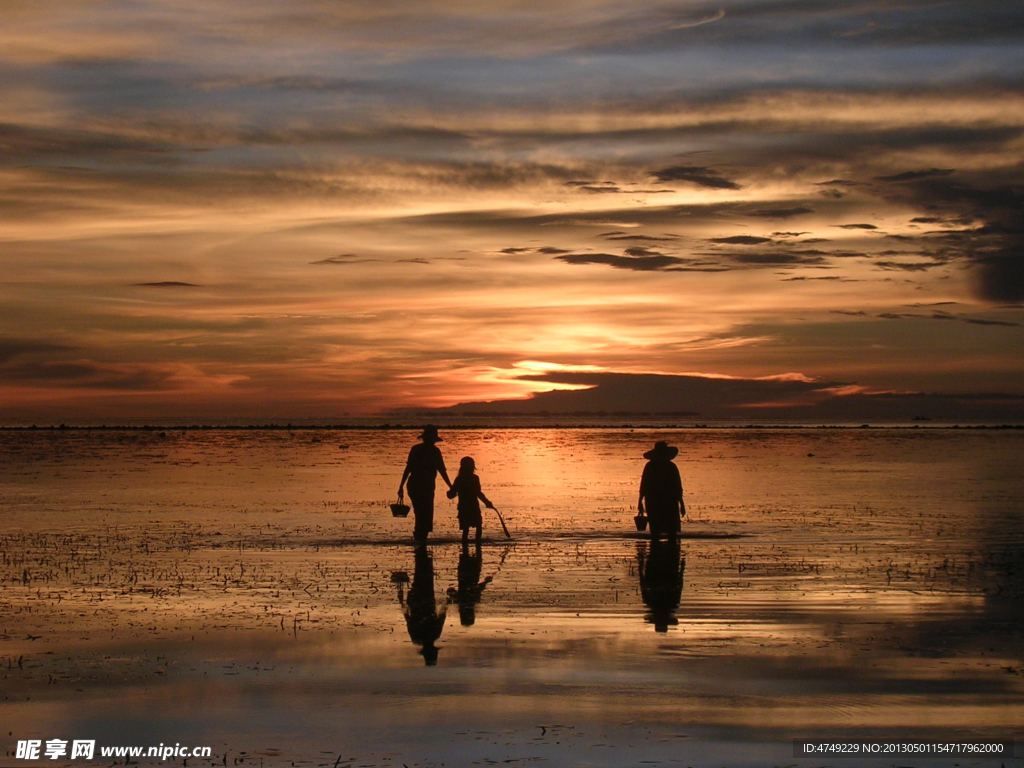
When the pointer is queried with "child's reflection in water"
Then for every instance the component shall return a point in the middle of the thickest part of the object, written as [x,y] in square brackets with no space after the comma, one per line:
[470,586]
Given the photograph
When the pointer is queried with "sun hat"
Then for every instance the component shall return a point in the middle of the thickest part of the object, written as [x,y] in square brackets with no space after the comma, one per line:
[429,654]
[662,450]
[430,435]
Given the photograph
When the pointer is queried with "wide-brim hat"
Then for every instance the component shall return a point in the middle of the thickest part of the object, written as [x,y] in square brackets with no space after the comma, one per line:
[430,435]
[662,450]
[429,654]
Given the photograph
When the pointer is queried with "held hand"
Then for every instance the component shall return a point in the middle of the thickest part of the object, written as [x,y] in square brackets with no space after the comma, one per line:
[488,505]
[640,507]
[401,493]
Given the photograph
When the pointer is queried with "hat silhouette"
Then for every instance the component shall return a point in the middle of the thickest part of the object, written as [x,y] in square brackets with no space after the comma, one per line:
[430,434]
[429,654]
[662,450]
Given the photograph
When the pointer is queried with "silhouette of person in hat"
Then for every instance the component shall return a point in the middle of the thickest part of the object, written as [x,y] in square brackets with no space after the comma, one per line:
[661,581]
[421,470]
[467,488]
[422,617]
[662,490]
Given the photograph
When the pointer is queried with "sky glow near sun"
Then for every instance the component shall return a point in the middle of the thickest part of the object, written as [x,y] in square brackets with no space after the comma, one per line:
[308,209]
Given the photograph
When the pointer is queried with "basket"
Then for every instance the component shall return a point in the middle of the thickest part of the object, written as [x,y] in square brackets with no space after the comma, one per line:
[641,522]
[399,510]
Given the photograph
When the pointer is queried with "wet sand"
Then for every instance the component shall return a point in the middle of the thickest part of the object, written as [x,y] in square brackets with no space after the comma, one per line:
[250,591]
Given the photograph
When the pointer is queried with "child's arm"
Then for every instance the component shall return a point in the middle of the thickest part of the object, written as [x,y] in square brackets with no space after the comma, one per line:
[485,500]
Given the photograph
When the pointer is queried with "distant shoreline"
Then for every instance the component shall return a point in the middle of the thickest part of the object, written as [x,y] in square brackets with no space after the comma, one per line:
[387,426]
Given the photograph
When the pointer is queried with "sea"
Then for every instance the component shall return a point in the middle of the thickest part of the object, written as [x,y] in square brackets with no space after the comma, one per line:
[247,588]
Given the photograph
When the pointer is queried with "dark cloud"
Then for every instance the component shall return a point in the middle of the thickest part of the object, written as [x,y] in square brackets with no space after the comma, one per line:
[168,284]
[300,83]
[622,392]
[981,321]
[14,347]
[20,144]
[772,398]
[641,251]
[993,245]
[741,240]
[1001,276]
[800,278]
[776,258]
[917,175]
[343,258]
[642,263]
[597,186]
[89,374]
[780,213]
[551,250]
[700,175]
[940,315]
[857,24]
[916,266]
[594,186]
[639,238]
[855,226]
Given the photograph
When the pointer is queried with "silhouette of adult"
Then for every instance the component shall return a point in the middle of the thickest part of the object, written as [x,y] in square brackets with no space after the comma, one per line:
[421,470]
[422,617]
[471,588]
[662,490]
[661,581]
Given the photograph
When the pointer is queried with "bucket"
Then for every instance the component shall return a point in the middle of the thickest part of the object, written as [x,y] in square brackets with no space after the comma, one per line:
[641,522]
[399,510]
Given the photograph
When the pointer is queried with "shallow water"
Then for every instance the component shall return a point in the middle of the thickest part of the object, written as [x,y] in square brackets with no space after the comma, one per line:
[248,590]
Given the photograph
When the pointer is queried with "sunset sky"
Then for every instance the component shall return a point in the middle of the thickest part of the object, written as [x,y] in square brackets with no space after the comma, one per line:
[314,208]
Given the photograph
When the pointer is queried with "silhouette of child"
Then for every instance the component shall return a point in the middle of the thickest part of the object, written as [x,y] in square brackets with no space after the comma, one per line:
[467,487]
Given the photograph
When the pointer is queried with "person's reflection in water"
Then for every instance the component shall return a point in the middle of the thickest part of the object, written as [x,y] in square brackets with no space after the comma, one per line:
[661,581]
[470,586]
[422,617]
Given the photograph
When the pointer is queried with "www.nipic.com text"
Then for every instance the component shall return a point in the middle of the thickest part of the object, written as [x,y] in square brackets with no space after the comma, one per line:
[37,749]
